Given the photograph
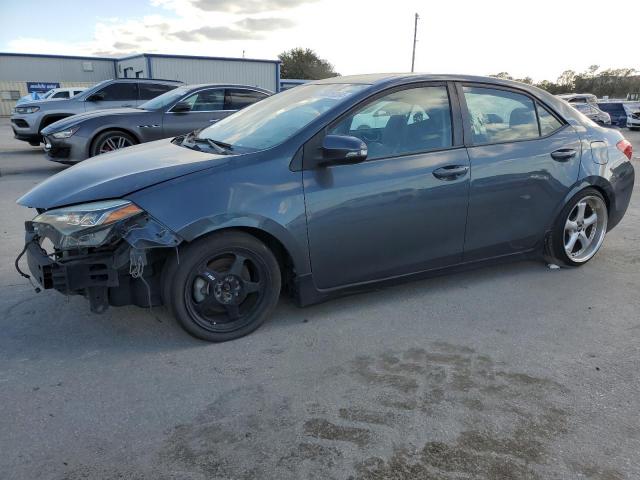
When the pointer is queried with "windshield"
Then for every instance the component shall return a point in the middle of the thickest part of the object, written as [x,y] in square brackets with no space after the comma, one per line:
[165,99]
[86,93]
[48,94]
[272,120]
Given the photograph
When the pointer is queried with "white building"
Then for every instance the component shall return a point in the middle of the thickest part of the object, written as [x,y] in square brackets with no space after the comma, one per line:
[22,73]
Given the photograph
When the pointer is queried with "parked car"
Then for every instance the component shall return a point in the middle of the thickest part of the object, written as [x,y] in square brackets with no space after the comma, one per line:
[617,111]
[288,194]
[593,113]
[28,119]
[53,94]
[579,98]
[633,115]
[173,113]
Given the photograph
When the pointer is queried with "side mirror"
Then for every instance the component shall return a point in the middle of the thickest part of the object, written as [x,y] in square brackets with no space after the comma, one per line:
[96,97]
[343,149]
[181,107]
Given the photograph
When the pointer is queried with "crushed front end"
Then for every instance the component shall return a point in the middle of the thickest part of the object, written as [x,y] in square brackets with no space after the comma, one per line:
[112,252]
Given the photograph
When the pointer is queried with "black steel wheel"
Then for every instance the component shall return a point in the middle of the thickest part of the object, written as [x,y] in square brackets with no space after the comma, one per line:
[223,287]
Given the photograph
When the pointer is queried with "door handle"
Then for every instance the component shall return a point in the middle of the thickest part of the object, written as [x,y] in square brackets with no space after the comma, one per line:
[563,154]
[127,105]
[450,172]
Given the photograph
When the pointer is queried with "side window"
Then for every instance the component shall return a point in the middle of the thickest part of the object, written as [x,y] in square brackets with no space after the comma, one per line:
[61,95]
[402,122]
[152,90]
[500,116]
[549,123]
[206,100]
[120,91]
[237,99]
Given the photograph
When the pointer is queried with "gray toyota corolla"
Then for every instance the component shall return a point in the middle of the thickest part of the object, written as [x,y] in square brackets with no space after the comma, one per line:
[328,188]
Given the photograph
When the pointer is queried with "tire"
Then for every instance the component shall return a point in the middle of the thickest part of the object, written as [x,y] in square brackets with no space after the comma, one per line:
[111,140]
[580,229]
[224,286]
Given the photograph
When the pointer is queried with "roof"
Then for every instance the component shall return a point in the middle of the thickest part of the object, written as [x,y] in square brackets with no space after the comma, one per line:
[380,78]
[198,86]
[46,55]
[127,57]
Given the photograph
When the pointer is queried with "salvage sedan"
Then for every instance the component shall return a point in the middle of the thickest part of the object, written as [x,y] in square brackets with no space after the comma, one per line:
[328,188]
[176,112]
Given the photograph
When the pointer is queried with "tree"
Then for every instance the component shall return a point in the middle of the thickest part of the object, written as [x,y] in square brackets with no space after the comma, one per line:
[567,79]
[304,64]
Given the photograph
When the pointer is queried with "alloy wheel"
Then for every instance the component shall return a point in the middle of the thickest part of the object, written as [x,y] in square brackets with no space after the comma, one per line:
[585,228]
[114,142]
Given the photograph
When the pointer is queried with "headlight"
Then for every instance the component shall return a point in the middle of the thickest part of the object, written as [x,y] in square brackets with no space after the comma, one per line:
[65,133]
[84,225]
[27,109]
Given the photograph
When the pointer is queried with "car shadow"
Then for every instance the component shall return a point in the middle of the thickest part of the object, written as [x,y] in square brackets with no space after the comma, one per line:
[47,325]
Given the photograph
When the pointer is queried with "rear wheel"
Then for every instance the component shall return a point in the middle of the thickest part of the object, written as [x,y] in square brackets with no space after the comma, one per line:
[110,141]
[224,287]
[580,228]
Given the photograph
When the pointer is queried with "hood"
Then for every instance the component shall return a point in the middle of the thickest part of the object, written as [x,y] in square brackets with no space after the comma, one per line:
[80,117]
[116,174]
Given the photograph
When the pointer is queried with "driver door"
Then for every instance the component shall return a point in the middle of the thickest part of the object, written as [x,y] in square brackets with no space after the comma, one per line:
[404,208]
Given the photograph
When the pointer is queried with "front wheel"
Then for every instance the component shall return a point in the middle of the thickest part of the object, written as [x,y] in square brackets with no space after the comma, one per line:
[110,141]
[580,228]
[223,287]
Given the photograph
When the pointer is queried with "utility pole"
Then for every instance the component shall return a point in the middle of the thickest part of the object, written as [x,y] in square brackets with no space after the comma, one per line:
[415,32]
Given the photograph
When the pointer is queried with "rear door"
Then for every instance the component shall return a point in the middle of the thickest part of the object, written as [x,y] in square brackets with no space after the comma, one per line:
[147,91]
[207,107]
[238,98]
[524,159]
[404,208]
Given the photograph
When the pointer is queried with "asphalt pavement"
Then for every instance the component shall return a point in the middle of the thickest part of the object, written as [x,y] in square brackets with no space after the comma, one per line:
[508,372]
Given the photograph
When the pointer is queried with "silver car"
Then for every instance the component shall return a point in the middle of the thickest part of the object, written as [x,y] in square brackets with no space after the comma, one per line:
[593,112]
[28,119]
[179,111]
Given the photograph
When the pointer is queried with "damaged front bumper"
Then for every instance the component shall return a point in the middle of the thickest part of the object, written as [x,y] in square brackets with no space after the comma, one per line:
[126,272]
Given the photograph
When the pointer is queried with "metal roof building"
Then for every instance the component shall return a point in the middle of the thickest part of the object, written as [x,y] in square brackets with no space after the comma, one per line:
[20,71]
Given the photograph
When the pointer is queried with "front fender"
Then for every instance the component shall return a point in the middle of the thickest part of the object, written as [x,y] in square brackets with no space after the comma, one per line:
[215,223]
[252,191]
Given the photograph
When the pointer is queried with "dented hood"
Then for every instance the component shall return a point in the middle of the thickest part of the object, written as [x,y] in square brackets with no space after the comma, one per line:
[116,174]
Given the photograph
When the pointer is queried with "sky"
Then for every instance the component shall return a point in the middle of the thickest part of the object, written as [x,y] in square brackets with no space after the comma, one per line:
[538,39]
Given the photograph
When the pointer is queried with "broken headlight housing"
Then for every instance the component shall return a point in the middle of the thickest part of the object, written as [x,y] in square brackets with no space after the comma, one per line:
[84,225]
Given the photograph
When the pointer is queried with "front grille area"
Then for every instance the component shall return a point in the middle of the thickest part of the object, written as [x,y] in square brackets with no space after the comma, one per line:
[20,123]
[58,152]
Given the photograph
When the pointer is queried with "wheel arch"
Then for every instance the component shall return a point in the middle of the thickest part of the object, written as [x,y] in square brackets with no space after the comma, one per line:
[110,128]
[292,259]
[602,185]
[50,118]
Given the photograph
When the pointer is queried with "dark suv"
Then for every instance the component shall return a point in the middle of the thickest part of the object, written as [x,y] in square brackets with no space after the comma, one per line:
[28,119]
[616,111]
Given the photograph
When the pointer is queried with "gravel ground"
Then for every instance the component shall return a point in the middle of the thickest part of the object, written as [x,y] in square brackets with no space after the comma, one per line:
[512,371]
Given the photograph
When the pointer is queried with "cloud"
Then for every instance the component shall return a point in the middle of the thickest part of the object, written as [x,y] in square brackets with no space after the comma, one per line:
[247,6]
[125,46]
[265,24]
[214,33]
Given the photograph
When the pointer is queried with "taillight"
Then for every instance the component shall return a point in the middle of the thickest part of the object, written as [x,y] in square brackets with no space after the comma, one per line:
[625,147]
